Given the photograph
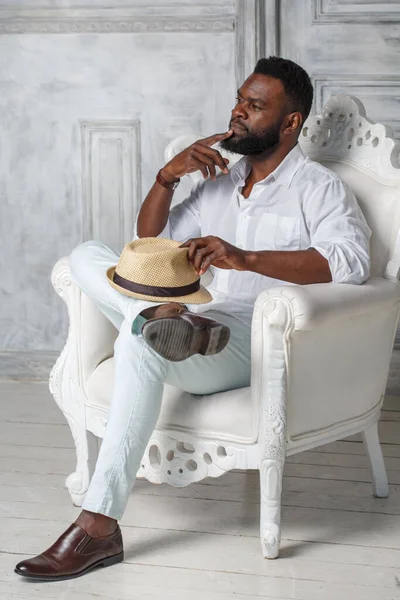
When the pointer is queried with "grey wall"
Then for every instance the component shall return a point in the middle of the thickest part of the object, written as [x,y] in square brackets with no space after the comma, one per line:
[90,96]
[88,101]
[348,46]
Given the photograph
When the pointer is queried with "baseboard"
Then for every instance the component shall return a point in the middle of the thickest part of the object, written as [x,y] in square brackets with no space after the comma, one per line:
[22,365]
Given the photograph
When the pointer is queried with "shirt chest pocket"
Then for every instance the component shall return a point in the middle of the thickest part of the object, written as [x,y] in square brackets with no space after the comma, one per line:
[275,232]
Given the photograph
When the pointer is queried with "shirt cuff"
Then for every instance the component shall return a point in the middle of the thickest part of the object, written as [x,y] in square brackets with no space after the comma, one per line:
[336,258]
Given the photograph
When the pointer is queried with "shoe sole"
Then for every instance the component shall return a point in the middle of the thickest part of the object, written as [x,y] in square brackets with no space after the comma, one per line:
[178,339]
[104,562]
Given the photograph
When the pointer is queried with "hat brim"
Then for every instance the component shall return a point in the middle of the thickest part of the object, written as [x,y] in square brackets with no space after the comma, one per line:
[202,296]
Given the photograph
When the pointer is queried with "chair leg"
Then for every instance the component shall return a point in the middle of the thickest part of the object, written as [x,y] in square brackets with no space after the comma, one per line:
[86,454]
[271,474]
[65,386]
[378,470]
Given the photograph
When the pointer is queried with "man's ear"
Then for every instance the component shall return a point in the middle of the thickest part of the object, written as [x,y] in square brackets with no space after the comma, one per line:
[294,122]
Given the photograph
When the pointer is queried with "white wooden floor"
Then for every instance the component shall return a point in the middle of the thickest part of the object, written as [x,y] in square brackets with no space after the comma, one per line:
[201,542]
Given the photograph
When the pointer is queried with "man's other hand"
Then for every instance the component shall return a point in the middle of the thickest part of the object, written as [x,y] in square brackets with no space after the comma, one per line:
[211,250]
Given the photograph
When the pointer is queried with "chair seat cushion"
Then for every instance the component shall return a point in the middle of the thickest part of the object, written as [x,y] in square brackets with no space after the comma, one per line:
[225,415]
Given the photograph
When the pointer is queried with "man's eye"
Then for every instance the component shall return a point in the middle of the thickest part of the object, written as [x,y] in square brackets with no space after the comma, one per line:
[256,107]
[238,99]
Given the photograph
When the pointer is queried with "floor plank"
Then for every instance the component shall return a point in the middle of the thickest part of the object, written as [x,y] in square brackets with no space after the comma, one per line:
[49,435]
[357,447]
[28,403]
[272,580]
[203,541]
[297,492]
[207,516]
[389,433]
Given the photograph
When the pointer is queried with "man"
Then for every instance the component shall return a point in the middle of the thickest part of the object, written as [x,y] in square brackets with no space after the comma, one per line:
[275,217]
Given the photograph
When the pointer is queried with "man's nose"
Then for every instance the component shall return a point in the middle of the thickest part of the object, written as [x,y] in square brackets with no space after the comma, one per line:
[239,112]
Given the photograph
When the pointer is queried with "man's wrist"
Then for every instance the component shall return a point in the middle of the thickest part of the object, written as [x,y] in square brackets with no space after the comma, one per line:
[249,259]
[169,178]
[168,185]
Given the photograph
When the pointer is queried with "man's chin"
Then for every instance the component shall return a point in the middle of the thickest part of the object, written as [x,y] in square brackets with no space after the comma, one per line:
[247,147]
[232,144]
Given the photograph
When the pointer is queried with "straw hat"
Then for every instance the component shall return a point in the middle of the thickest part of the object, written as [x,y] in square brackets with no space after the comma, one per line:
[157,269]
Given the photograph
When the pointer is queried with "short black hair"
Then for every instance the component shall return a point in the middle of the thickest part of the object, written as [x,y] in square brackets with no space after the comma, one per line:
[296,82]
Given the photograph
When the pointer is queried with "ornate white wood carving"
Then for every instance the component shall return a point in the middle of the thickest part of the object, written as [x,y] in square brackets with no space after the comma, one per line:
[349,11]
[380,93]
[180,461]
[278,324]
[66,386]
[111,180]
[343,132]
[88,19]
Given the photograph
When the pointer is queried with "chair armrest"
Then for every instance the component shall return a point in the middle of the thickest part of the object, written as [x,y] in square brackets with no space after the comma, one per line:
[329,377]
[321,303]
[91,335]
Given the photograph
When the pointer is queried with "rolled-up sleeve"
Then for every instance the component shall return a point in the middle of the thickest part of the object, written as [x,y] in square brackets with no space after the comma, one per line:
[184,218]
[339,231]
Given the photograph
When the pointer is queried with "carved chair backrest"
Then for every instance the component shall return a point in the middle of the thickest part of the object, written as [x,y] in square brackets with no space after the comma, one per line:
[366,156]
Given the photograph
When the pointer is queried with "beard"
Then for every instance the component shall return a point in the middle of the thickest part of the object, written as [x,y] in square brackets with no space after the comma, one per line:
[247,144]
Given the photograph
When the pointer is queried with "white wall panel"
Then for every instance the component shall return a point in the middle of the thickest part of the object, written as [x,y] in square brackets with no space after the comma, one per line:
[173,70]
[354,11]
[111,180]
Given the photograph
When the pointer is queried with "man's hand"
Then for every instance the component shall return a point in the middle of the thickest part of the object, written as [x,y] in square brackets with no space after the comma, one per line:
[210,250]
[197,157]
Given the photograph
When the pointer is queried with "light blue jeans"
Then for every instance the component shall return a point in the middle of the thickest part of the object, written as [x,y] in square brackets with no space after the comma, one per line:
[140,374]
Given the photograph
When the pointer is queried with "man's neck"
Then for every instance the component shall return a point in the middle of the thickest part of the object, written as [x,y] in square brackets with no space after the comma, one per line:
[263,165]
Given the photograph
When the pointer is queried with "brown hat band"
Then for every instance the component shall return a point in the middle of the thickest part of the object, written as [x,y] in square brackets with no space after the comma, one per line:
[150,290]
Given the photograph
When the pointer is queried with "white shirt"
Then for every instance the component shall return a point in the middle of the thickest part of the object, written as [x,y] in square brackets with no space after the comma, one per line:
[300,205]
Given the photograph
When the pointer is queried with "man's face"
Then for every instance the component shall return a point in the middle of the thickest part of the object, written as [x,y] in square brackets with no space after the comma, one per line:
[258,116]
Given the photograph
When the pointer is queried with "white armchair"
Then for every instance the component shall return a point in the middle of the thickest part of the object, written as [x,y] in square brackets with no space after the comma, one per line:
[320,353]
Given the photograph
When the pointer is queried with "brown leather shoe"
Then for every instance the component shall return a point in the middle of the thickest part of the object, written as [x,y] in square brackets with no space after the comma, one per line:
[163,310]
[72,555]
[178,337]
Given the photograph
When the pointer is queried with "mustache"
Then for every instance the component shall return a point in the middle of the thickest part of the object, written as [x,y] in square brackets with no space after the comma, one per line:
[238,123]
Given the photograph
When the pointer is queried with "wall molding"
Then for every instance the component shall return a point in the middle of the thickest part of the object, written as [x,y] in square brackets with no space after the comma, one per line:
[355,13]
[257,34]
[115,20]
[271,28]
[363,87]
[111,180]
[255,24]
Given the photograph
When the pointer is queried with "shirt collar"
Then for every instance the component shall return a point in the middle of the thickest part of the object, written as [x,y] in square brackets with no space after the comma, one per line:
[283,173]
